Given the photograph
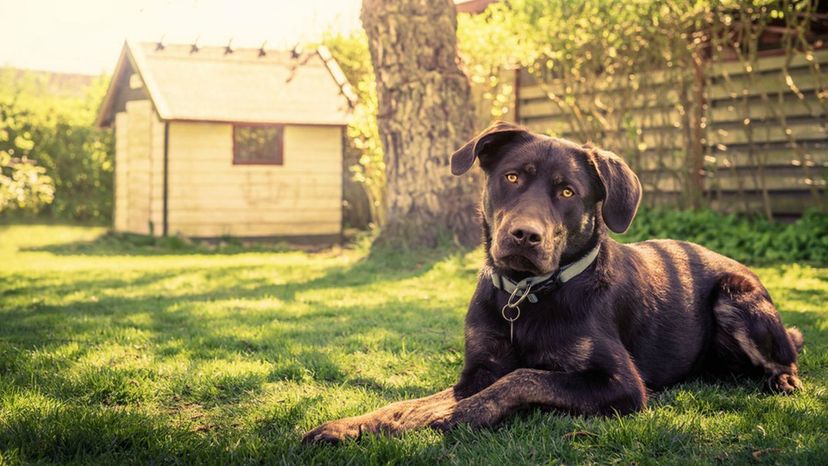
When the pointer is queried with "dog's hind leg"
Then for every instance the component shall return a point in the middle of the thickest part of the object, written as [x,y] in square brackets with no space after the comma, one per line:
[749,336]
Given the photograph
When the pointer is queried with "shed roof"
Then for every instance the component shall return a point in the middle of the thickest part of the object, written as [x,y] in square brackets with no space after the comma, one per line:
[245,85]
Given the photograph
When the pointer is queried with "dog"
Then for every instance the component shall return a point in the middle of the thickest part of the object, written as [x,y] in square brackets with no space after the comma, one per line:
[566,318]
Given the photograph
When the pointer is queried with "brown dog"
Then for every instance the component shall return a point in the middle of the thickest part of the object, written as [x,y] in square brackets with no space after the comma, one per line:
[566,318]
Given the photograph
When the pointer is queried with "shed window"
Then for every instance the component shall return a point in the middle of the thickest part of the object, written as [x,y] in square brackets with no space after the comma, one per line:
[258,144]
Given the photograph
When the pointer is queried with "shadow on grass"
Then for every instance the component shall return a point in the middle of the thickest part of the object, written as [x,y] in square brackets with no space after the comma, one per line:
[222,323]
[381,263]
[130,244]
[188,326]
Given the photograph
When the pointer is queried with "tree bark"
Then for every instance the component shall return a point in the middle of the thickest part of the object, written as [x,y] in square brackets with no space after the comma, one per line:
[425,113]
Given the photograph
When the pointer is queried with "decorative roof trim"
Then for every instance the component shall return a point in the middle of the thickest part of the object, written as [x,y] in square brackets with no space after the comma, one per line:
[337,74]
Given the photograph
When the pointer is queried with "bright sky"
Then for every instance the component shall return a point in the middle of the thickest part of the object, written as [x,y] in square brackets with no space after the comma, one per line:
[85,36]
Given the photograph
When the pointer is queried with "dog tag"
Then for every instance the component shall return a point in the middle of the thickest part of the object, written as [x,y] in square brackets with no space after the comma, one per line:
[510,319]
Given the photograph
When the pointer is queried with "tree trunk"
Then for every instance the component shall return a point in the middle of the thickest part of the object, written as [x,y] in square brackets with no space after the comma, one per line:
[425,113]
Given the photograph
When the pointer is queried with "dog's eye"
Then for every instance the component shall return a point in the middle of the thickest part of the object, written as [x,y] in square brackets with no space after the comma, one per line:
[567,192]
[512,177]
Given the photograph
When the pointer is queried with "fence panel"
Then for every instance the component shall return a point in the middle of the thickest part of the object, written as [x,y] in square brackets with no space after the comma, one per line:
[765,132]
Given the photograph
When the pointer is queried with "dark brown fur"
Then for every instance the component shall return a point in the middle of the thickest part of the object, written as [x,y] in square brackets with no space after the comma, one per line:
[641,317]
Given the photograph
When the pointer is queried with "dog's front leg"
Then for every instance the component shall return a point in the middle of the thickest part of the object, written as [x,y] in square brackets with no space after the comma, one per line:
[394,418]
[579,393]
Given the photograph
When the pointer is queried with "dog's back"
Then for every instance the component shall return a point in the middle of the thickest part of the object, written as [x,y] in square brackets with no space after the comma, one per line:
[666,290]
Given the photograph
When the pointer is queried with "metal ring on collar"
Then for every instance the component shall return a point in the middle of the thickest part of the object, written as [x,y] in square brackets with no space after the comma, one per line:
[503,313]
[526,293]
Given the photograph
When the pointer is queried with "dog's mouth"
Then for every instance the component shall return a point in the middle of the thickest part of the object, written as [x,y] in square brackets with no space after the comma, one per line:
[521,263]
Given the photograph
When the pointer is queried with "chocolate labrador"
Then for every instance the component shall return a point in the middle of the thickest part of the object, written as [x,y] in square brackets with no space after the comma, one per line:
[566,318]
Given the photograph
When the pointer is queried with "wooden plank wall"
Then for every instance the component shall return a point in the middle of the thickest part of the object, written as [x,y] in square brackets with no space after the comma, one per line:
[766,124]
[139,169]
[139,115]
[121,173]
[211,197]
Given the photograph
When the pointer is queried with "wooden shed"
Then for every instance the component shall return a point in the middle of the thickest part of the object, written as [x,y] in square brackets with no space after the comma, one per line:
[216,141]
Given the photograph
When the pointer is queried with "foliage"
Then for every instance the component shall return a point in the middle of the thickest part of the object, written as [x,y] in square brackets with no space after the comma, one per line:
[23,184]
[55,126]
[112,356]
[631,75]
[744,238]
[364,153]
[487,50]
[597,45]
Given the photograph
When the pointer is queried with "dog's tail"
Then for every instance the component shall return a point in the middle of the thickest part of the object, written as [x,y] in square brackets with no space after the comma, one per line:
[796,338]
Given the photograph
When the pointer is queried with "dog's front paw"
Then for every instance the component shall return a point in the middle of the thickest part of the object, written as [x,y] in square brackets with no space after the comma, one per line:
[334,432]
[784,383]
[472,411]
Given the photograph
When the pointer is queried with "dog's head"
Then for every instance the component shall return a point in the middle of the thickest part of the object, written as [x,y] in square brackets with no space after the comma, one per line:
[546,199]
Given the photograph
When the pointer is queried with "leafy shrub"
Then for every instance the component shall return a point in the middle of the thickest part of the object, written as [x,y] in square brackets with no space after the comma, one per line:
[744,238]
[82,167]
[23,185]
[52,126]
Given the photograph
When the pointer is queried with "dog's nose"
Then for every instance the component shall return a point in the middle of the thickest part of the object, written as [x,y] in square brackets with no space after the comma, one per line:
[528,235]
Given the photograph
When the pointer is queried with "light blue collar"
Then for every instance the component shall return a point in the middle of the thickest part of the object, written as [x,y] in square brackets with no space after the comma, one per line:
[559,277]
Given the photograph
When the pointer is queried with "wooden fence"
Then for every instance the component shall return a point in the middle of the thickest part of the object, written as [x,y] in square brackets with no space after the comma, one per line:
[764,131]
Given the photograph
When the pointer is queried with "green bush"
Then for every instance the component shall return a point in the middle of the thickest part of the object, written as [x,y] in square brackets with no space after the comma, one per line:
[23,185]
[52,126]
[744,238]
[80,161]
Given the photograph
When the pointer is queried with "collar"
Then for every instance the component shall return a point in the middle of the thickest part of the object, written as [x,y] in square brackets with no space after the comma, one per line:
[548,281]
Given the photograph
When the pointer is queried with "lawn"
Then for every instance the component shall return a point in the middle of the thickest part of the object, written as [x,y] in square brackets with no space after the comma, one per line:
[116,351]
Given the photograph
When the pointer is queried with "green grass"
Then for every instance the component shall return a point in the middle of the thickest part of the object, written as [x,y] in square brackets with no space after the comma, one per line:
[114,350]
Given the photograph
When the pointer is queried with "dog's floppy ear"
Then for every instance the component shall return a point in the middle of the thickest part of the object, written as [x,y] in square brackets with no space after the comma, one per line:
[484,144]
[622,189]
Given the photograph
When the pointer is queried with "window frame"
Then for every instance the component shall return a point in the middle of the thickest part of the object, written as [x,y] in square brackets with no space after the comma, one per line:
[281,150]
